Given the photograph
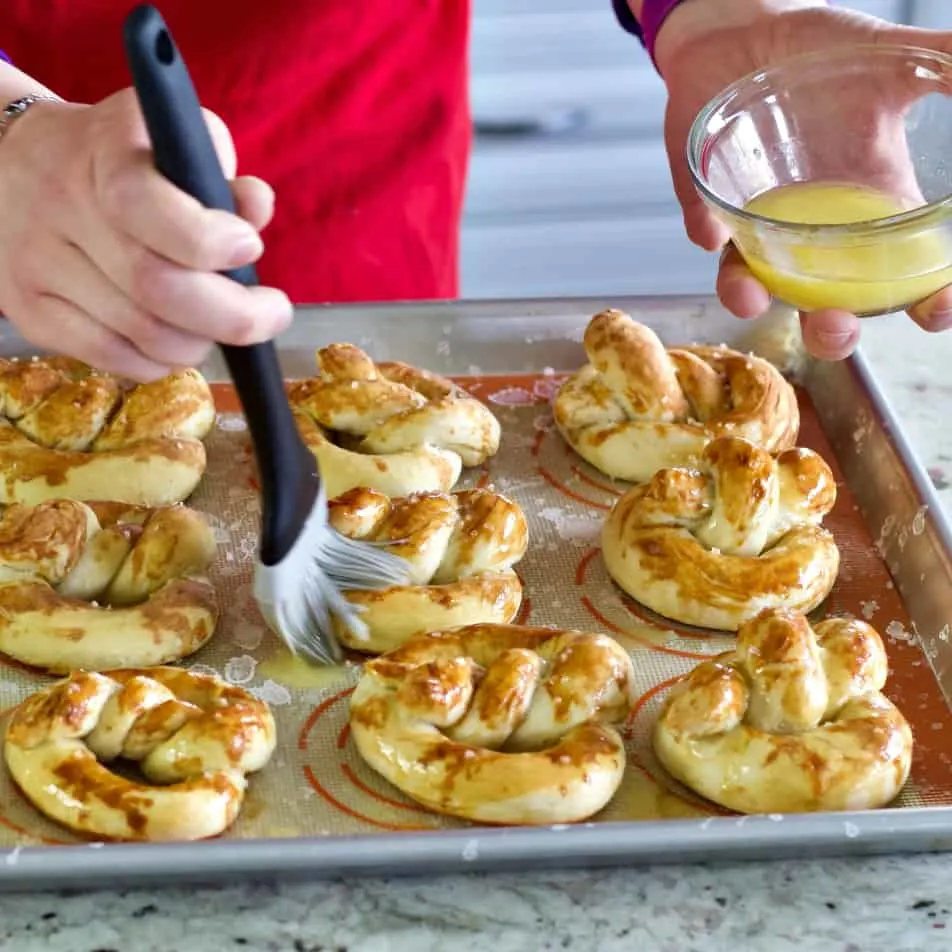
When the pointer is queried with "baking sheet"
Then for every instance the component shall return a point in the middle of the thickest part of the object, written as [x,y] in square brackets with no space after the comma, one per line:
[316,795]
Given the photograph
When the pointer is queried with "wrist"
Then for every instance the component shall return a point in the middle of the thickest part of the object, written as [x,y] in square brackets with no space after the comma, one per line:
[692,20]
[14,111]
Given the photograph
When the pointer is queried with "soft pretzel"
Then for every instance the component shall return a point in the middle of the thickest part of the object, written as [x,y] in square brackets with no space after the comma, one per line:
[460,548]
[636,408]
[498,723]
[69,433]
[104,585]
[194,737]
[713,546]
[790,721]
[389,426]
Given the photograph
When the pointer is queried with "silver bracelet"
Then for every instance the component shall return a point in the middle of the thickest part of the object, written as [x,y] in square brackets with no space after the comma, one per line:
[13,110]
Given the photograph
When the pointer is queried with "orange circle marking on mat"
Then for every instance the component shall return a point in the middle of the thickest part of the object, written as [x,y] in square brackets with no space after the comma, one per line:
[349,774]
[580,574]
[594,483]
[555,484]
[691,799]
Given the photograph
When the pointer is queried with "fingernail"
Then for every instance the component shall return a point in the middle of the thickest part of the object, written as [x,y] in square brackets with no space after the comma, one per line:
[246,246]
[835,340]
[939,320]
[836,343]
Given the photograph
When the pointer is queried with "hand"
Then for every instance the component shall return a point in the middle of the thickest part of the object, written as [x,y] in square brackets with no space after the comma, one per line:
[704,46]
[105,260]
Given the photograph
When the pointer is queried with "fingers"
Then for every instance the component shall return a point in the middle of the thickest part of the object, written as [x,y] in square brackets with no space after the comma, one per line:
[935,313]
[827,335]
[109,261]
[55,320]
[254,201]
[149,211]
[201,303]
[73,275]
[161,250]
[141,204]
[830,334]
[739,291]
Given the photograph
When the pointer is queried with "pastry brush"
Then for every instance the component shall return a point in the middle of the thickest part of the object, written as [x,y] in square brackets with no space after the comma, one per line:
[304,564]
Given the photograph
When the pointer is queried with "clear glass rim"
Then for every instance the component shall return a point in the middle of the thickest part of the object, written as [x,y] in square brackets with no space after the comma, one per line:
[697,139]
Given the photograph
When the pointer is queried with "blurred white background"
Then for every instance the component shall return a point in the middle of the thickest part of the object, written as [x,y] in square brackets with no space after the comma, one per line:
[569,191]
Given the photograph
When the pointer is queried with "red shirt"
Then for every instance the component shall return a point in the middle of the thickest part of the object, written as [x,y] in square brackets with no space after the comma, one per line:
[356,112]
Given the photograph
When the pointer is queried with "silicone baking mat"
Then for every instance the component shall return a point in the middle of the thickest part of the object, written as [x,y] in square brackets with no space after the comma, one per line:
[316,783]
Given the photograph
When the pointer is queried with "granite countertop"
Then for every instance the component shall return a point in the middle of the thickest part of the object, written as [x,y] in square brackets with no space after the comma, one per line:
[864,905]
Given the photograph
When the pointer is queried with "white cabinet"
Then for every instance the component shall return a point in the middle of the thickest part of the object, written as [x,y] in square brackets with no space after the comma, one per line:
[569,190]
[933,14]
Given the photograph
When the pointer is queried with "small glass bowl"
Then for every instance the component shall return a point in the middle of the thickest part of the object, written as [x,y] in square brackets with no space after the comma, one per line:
[862,136]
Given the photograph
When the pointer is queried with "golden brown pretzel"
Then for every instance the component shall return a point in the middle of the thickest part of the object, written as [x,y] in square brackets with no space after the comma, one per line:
[498,723]
[460,548]
[636,408]
[389,426]
[790,721]
[713,546]
[194,737]
[104,585]
[69,433]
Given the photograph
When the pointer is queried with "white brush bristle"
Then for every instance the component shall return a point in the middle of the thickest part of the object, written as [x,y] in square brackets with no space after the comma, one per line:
[300,595]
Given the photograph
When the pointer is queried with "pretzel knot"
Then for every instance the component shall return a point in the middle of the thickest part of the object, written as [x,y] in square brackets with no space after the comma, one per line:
[389,426]
[790,721]
[104,585]
[713,546]
[69,433]
[460,549]
[636,408]
[498,723]
[194,738]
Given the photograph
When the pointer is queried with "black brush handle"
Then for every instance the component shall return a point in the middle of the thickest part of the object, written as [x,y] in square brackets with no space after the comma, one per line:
[185,155]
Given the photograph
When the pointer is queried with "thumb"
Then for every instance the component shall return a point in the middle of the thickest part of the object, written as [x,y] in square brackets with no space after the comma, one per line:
[224,145]
[126,102]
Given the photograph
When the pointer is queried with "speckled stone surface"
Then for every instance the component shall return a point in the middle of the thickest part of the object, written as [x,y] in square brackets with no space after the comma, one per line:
[882,906]
[874,905]
[915,370]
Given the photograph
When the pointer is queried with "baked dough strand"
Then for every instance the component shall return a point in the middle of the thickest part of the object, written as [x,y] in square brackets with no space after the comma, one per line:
[67,432]
[636,408]
[194,737]
[104,585]
[460,549]
[498,723]
[791,721]
[714,546]
[389,426]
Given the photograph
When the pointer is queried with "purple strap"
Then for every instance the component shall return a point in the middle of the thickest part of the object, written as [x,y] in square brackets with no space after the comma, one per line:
[653,15]
[5,58]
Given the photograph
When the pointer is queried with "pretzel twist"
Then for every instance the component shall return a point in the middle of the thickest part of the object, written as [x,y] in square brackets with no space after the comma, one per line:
[636,408]
[194,737]
[714,546]
[104,585]
[498,723]
[460,549]
[389,426]
[792,720]
[67,432]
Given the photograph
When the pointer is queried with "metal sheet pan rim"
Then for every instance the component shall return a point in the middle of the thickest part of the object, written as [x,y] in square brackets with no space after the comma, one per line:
[927,829]
[904,450]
